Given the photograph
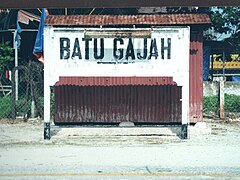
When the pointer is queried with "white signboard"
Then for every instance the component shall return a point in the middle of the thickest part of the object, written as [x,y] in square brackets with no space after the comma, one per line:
[162,51]
[73,52]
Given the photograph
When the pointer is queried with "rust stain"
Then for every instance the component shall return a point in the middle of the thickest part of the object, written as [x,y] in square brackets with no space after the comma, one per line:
[115,104]
[114,81]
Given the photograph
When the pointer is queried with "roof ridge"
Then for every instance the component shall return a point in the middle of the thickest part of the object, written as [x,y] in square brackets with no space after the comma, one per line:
[153,19]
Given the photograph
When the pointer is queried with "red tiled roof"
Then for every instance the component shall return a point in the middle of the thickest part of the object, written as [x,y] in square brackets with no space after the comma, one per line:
[96,20]
[114,81]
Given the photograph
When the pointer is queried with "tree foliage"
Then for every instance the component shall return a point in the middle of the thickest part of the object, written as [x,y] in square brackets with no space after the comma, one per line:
[226,20]
[6,54]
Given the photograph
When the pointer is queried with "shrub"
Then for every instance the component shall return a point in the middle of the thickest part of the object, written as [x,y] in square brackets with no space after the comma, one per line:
[210,104]
[231,104]
[22,107]
[5,107]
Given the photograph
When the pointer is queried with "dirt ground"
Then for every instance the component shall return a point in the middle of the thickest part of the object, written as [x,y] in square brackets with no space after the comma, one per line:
[212,131]
[211,152]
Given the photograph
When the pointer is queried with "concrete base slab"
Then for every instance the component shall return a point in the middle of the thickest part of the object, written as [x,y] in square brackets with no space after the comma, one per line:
[201,125]
[117,131]
[126,124]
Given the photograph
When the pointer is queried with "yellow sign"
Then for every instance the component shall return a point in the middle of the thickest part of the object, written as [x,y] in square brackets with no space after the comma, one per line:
[231,62]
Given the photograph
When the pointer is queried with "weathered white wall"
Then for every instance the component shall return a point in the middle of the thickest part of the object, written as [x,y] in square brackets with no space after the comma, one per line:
[211,88]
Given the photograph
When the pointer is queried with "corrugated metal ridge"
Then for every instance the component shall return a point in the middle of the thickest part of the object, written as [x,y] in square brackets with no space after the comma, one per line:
[115,104]
[114,81]
[156,19]
[196,79]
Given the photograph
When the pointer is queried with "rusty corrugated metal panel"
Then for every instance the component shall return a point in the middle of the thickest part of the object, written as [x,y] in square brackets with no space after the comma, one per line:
[196,78]
[156,19]
[115,104]
[114,81]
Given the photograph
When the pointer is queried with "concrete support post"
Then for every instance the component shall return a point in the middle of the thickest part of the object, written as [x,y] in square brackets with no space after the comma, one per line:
[33,106]
[185,87]
[33,112]
[48,82]
[47,134]
[221,99]
[47,111]
[184,131]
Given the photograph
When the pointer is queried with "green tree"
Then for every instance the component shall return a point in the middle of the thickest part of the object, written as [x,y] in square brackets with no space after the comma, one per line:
[6,54]
[226,20]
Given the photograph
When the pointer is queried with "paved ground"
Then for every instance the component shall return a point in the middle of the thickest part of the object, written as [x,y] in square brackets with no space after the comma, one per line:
[212,152]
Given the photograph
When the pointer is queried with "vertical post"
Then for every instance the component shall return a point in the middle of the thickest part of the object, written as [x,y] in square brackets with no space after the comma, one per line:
[185,111]
[33,109]
[212,60]
[185,84]
[47,83]
[221,99]
[16,64]
[13,95]
[224,60]
[32,94]
[32,104]
[46,111]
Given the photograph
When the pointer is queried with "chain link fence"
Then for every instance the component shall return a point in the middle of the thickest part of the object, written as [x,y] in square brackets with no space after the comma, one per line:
[21,95]
[222,90]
